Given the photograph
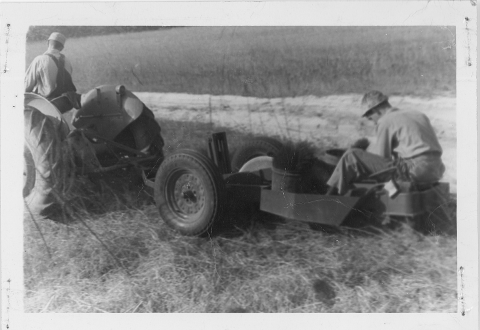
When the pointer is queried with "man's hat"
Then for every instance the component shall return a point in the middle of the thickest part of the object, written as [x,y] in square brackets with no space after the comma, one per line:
[372,99]
[58,37]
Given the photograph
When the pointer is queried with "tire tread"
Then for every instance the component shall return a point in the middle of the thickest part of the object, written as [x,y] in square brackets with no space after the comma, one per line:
[215,184]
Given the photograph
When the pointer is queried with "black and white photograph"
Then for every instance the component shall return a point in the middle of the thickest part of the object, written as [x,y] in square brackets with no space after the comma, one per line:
[252,158]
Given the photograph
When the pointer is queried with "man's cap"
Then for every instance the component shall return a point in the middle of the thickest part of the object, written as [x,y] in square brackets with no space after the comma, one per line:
[58,37]
[372,99]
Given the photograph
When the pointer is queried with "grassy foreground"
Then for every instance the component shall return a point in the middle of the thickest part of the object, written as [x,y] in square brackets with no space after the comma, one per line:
[267,61]
[259,265]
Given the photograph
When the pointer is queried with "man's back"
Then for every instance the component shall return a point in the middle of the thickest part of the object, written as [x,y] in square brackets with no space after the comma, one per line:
[43,76]
[405,133]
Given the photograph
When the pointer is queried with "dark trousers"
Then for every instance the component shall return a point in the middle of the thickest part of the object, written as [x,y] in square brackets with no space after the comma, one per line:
[357,164]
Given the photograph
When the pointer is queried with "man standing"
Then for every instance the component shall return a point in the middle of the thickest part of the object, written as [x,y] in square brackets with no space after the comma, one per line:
[405,140]
[50,74]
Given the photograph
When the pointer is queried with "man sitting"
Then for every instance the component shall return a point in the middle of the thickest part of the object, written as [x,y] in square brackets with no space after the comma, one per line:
[405,140]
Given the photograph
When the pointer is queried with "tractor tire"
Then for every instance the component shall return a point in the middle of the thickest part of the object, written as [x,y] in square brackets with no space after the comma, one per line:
[261,146]
[189,193]
[45,168]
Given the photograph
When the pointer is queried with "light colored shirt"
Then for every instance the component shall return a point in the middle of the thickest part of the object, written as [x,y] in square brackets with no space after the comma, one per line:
[41,75]
[404,133]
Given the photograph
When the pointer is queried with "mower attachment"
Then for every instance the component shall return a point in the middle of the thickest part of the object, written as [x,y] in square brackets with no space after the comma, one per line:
[328,210]
[413,200]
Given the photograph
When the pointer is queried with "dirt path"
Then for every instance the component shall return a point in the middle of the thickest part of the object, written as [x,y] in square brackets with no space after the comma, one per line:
[328,121]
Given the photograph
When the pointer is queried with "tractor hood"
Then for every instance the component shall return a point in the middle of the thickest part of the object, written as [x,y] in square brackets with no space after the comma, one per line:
[107,110]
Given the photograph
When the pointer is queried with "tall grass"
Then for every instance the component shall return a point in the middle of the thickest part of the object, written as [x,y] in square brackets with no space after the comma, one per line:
[259,269]
[267,61]
[255,264]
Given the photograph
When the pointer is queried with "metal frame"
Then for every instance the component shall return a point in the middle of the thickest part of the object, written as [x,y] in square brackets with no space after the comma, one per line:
[323,209]
[122,162]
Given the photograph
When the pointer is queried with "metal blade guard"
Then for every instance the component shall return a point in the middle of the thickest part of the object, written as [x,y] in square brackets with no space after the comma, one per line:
[328,210]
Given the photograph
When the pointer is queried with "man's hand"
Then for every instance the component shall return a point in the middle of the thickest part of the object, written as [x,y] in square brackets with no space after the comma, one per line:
[74,99]
[362,143]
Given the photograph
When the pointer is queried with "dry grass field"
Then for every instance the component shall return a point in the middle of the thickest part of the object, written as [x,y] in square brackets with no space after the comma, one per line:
[116,255]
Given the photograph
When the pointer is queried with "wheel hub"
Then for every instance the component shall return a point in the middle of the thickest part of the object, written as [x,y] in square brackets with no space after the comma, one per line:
[189,194]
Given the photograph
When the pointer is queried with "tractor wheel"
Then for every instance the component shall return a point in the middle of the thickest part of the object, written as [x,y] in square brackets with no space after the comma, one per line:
[45,169]
[189,192]
[261,146]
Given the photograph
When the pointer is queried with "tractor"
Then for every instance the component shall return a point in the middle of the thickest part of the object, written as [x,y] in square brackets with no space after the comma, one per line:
[111,130]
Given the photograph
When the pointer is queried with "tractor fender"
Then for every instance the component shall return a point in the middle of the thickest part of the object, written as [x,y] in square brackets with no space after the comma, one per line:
[38,102]
[257,164]
[261,165]
[107,110]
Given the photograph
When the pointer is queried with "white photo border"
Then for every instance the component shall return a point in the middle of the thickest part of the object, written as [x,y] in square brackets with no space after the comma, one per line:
[15,19]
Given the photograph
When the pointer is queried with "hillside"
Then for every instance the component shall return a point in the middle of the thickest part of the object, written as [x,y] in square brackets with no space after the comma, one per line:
[267,61]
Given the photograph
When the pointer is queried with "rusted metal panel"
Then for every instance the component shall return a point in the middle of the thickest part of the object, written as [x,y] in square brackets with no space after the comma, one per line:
[328,210]
[244,193]
[411,202]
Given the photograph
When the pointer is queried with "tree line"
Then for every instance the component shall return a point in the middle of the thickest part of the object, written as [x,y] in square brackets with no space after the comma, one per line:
[42,32]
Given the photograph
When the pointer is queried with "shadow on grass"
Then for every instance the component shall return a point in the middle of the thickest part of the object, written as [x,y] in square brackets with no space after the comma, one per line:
[98,195]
